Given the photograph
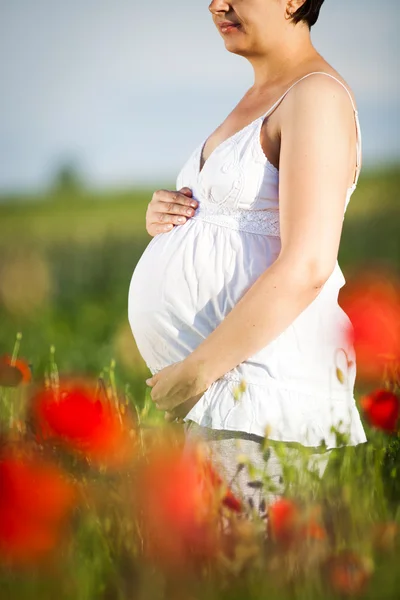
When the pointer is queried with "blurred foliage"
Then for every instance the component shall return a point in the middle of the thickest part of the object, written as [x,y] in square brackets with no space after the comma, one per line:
[68,179]
[66,262]
[391,471]
[370,231]
[333,536]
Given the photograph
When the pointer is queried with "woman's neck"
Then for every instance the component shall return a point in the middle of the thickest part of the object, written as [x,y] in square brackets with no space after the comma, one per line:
[279,66]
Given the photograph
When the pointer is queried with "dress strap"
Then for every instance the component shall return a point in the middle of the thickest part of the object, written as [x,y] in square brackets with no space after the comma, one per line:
[358,129]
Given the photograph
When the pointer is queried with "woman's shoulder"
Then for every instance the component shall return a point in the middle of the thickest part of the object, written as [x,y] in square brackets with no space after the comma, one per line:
[324,80]
[314,95]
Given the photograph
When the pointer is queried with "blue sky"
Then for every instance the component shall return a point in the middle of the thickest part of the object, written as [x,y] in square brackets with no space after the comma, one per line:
[129,88]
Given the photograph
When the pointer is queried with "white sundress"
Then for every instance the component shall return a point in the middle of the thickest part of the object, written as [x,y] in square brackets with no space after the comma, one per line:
[190,278]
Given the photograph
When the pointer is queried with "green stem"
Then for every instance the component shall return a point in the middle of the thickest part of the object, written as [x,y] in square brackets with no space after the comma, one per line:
[17,346]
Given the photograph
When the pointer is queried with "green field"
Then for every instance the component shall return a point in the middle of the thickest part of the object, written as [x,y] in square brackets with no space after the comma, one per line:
[65,266]
[66,262]
[92,217]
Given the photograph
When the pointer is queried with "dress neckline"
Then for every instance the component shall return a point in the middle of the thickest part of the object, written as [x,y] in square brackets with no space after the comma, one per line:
[231,138]
[200,169]
[262,117]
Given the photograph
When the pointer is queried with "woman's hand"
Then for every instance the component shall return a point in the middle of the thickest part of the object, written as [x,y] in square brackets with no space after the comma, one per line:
[176,385]
[182,410]
[166,208]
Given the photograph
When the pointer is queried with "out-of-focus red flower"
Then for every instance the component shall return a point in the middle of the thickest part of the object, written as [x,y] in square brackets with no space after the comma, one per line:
[372,304]
[232,502]
[228,498]
[74,416]
[289,523]
[385,536]
[12,375]
[313,531]
[283,516]
[179,498]
[35,500]
[348,573]
[382,409]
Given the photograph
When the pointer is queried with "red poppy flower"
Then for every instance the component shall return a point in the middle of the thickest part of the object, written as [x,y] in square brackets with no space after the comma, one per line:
[288,522]
[348,573]
[373,307]
[75,416]
[180,498]
[382,409]
[35,500]
[229,500]
[283,516]
[12,375]
[314,531]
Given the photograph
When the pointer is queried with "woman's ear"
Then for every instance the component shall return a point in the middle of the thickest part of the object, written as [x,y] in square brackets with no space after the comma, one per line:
[293,6]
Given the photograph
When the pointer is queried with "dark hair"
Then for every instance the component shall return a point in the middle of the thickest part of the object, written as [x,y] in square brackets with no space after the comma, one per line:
[308,12]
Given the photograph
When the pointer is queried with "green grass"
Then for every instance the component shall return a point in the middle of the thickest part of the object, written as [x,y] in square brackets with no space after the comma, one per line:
[86,247]
[102,556]
[93,216]
[85,219]
[66,260]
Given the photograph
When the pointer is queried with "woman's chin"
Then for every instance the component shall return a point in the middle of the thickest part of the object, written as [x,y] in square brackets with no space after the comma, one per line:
[234,47]
[234,43]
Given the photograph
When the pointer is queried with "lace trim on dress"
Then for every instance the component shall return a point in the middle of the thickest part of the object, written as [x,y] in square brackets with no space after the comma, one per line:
[261,222]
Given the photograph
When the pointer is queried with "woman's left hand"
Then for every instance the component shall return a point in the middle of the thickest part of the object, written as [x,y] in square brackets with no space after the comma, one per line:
[176,384]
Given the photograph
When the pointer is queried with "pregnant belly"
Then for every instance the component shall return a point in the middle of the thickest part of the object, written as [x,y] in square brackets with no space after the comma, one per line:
[186,282]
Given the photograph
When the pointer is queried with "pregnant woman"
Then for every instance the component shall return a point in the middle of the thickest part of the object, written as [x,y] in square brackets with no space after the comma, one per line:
[242,290]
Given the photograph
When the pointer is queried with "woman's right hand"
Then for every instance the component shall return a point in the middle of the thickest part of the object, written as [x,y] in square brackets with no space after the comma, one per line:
[167,208]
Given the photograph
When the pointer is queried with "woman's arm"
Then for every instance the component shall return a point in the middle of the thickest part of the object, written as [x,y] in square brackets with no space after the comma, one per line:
[318,137]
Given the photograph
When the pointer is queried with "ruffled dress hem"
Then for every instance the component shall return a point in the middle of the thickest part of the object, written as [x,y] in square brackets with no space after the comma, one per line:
[280,413]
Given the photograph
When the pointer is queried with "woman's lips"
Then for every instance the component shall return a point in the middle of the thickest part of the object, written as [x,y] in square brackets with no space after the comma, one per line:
[227,27]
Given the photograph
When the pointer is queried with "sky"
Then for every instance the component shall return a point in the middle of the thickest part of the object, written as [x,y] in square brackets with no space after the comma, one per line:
[127,88]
